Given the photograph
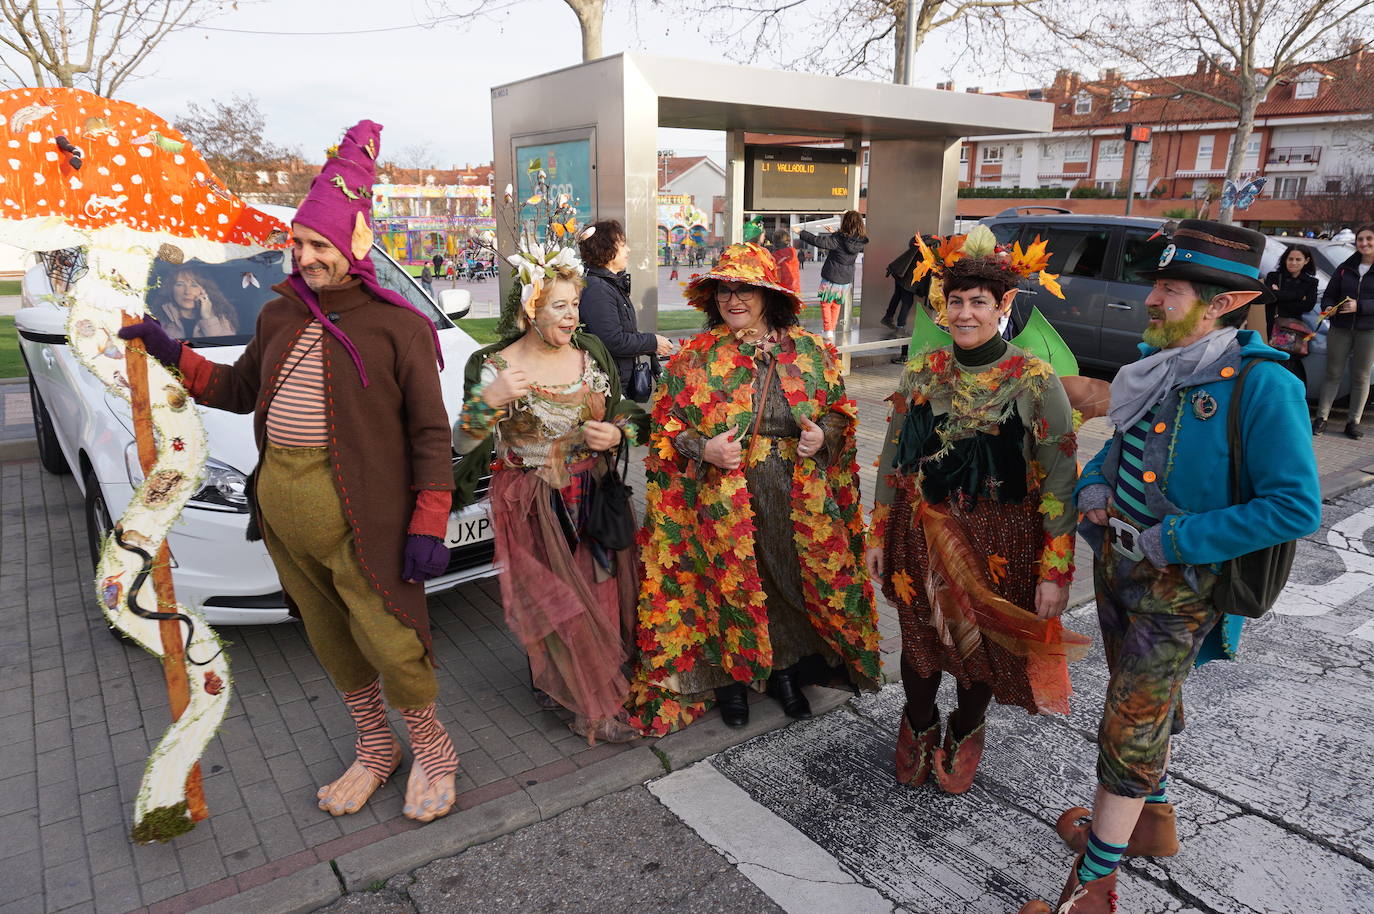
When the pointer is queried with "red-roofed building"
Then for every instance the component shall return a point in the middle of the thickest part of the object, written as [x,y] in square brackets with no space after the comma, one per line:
[1314,135]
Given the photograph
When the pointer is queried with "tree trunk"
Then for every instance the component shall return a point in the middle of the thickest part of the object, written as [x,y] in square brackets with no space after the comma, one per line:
[591,15]
[1245,127]
[899,56]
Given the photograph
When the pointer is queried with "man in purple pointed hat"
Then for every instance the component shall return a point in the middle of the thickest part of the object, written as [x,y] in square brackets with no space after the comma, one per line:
[351,493]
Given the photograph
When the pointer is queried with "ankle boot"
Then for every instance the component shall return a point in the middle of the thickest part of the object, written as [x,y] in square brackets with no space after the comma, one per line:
[1096,897]
[1155,834]
[1318,426]
[733,701]
[1353,431]
[916,751]
[956,761]
[782,685]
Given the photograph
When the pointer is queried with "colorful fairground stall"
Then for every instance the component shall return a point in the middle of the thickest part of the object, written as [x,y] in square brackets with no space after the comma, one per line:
[416,221]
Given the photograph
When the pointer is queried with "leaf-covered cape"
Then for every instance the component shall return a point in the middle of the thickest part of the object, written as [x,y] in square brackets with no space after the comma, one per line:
[702,598]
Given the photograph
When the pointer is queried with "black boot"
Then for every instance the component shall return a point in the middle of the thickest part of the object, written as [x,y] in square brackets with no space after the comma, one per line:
[733,701]
[1353,431]
[782,685]
[1318,426]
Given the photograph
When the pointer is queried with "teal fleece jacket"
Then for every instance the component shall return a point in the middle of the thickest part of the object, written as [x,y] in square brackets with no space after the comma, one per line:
[1190,456]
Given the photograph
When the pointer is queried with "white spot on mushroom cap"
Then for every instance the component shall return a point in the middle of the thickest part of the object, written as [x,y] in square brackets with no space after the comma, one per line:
[179,159]
[50,156]
[14,164]
[111,139]
[35,136]
[222,219]
[118,159]
[144,151]
[176,198]
[38,178]
[136,178]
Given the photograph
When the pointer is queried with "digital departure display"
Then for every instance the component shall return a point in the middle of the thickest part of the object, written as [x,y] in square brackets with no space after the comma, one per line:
[794,179]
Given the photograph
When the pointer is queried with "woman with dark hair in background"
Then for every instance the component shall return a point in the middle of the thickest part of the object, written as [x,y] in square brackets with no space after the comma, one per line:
[1352,333]
[1295,293]
[753,540]
[837,273]
[607,311]
[190,305]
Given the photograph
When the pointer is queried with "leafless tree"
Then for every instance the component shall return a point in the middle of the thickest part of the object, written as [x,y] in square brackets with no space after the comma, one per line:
[1348,202]
[231,137]
[591,16]
[91,44]
[1248,46]
[850,37]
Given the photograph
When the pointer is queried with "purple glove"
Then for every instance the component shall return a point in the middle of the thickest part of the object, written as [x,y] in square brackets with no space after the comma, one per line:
[425,557]
[159,345]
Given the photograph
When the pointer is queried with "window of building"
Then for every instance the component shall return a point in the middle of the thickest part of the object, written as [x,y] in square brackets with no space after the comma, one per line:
[992,153]
[262,177]
[1121,100]
[1289,188]
[1076,151]
[1112,149]
[1035,94]
[865,158]
[1108,186]
[1333,185]
[1306,86]
[1252,146]
[1083,104]
[283,177]
[963,154]
[1204,152]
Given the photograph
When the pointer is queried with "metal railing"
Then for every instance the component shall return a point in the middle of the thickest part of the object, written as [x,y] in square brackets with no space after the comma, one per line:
[1294,155]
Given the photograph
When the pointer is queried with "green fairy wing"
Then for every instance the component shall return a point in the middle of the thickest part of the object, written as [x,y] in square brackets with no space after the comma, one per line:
[926,335]
[1041,340]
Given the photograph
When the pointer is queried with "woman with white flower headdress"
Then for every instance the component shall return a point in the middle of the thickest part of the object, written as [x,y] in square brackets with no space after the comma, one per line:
[543,407]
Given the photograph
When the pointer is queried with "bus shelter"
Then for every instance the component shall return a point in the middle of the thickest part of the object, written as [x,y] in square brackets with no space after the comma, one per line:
[594,130]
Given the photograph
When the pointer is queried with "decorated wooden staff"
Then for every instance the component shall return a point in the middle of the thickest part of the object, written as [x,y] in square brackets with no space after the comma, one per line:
[94,178]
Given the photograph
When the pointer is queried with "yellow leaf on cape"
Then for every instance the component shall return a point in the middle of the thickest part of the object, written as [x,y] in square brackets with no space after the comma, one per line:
[901,582]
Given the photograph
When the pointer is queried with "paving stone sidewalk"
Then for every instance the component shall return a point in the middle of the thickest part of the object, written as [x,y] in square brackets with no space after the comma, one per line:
[81,710]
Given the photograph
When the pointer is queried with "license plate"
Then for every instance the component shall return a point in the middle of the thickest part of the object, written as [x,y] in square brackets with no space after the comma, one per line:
[468,530]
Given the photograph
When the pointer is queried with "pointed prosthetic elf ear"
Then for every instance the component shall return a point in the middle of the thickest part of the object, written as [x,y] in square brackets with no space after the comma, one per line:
[362,237]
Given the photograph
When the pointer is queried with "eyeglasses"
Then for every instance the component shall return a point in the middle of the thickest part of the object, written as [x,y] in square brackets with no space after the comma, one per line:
[725,293]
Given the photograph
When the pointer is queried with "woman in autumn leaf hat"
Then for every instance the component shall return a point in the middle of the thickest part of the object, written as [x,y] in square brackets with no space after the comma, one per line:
[973,530]
[753,538]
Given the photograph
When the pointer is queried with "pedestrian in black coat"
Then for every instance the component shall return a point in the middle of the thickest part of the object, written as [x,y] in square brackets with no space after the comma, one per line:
[606,308]
[1295,293]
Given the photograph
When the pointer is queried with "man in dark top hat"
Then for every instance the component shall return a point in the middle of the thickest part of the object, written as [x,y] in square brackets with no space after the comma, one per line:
[1159,515]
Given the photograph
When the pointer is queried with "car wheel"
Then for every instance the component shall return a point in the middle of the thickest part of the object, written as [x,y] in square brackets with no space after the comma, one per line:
[98,525]
[49,451]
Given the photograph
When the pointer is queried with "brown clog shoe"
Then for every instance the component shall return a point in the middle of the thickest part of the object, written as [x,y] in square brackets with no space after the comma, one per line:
[956,762]
[1096,897]
[916,751]
[1155,834]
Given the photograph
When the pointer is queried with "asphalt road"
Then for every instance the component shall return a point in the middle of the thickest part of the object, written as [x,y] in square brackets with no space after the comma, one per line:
[1272,781]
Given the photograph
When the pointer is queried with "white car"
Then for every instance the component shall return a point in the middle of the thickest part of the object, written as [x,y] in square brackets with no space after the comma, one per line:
[81,428]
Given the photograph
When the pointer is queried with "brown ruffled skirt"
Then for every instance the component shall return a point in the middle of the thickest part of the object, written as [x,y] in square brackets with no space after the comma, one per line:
[1001,545]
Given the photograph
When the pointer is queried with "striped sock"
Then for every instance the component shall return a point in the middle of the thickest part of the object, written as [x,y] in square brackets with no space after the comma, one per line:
[430,743]
[1100,859]
[375,745]
[1161,792]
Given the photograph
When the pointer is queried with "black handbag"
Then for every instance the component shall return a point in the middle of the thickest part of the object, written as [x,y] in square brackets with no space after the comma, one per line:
[1249,584]
[610,516]
[640,386]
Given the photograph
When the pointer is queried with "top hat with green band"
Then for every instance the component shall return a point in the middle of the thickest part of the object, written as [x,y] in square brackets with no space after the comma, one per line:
[1209,252]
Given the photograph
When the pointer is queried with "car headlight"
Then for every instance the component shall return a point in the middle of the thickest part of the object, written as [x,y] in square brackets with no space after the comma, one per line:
[224,489]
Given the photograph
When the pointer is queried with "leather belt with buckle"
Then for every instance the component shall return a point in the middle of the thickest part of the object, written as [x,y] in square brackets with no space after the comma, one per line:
[1124,538]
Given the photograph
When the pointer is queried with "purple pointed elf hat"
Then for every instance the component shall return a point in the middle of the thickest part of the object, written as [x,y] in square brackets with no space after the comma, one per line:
[339,207]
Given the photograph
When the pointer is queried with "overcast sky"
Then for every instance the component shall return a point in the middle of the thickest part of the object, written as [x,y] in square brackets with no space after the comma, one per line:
[422,84]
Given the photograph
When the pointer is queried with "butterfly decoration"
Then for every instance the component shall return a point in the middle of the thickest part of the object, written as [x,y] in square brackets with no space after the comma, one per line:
[250,280]
[566,227]
[1241,198]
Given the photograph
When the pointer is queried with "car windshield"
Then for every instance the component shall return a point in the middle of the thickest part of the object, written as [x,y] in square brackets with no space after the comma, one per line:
[217,304]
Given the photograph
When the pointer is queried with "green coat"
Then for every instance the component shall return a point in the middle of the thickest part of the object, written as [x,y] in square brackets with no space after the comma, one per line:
[477,462]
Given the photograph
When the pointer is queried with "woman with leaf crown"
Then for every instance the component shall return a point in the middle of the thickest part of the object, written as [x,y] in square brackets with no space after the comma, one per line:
[973,530]
[753,538]
[543,408]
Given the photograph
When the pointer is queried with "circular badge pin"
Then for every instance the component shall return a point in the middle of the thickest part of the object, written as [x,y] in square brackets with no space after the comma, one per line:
[1166,256]
[1204,405]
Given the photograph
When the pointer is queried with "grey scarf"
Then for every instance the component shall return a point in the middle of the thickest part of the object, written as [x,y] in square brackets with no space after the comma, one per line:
[1140,385]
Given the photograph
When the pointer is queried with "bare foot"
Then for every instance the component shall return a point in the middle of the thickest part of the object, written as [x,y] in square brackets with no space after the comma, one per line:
[353,789]
[426,802]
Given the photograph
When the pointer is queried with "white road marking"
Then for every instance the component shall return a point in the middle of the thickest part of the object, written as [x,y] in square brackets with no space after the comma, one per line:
[1346,539]
[794,871]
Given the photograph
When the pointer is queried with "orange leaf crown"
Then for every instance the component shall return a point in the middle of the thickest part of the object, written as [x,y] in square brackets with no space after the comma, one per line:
[1012,262]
